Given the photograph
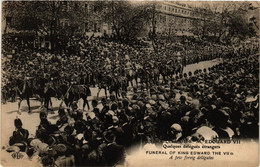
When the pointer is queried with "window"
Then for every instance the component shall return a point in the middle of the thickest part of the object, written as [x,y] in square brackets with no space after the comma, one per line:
[159,6]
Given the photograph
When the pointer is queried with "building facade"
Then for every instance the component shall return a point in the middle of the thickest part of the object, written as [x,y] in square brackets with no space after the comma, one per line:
[174,18]
[91,23]
[171,18]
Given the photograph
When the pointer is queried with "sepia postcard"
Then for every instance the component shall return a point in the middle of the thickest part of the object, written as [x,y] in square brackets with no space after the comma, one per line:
[130,83]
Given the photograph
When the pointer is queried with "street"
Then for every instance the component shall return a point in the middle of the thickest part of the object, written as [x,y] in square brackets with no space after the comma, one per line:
[32,120]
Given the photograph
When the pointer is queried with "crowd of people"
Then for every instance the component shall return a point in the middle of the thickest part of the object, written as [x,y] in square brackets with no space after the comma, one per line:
[89,60]
[220,102]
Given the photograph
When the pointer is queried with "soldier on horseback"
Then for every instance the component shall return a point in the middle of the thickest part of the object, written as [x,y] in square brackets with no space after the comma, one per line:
[49,91]
[129,71]
[104,76]
[179,64]
[102,82]
[24,91]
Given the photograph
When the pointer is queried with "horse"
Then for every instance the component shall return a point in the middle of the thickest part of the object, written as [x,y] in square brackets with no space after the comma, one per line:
[103,82]
[123,83]
[74,93]
[80,91]
[156,74]
[130,75]
[44,90]
[24,90]
[114,86]
[170,69]
[49,91]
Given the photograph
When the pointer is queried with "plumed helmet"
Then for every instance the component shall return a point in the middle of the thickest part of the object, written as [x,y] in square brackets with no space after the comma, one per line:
[18,123]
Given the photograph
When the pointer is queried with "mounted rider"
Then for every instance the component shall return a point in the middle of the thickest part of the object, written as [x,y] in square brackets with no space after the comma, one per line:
[129,68]
[24,90]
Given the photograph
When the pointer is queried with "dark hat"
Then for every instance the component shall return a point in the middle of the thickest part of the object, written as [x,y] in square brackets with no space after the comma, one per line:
[112,97]
[94,102]
[185,75]
[183,98]
[18,123]
[125,102]
[134,97]
[74,105]
[103,100]
[166,114]
[43,114]
[61,112]
[69,129]
[114,106]
[109,136]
